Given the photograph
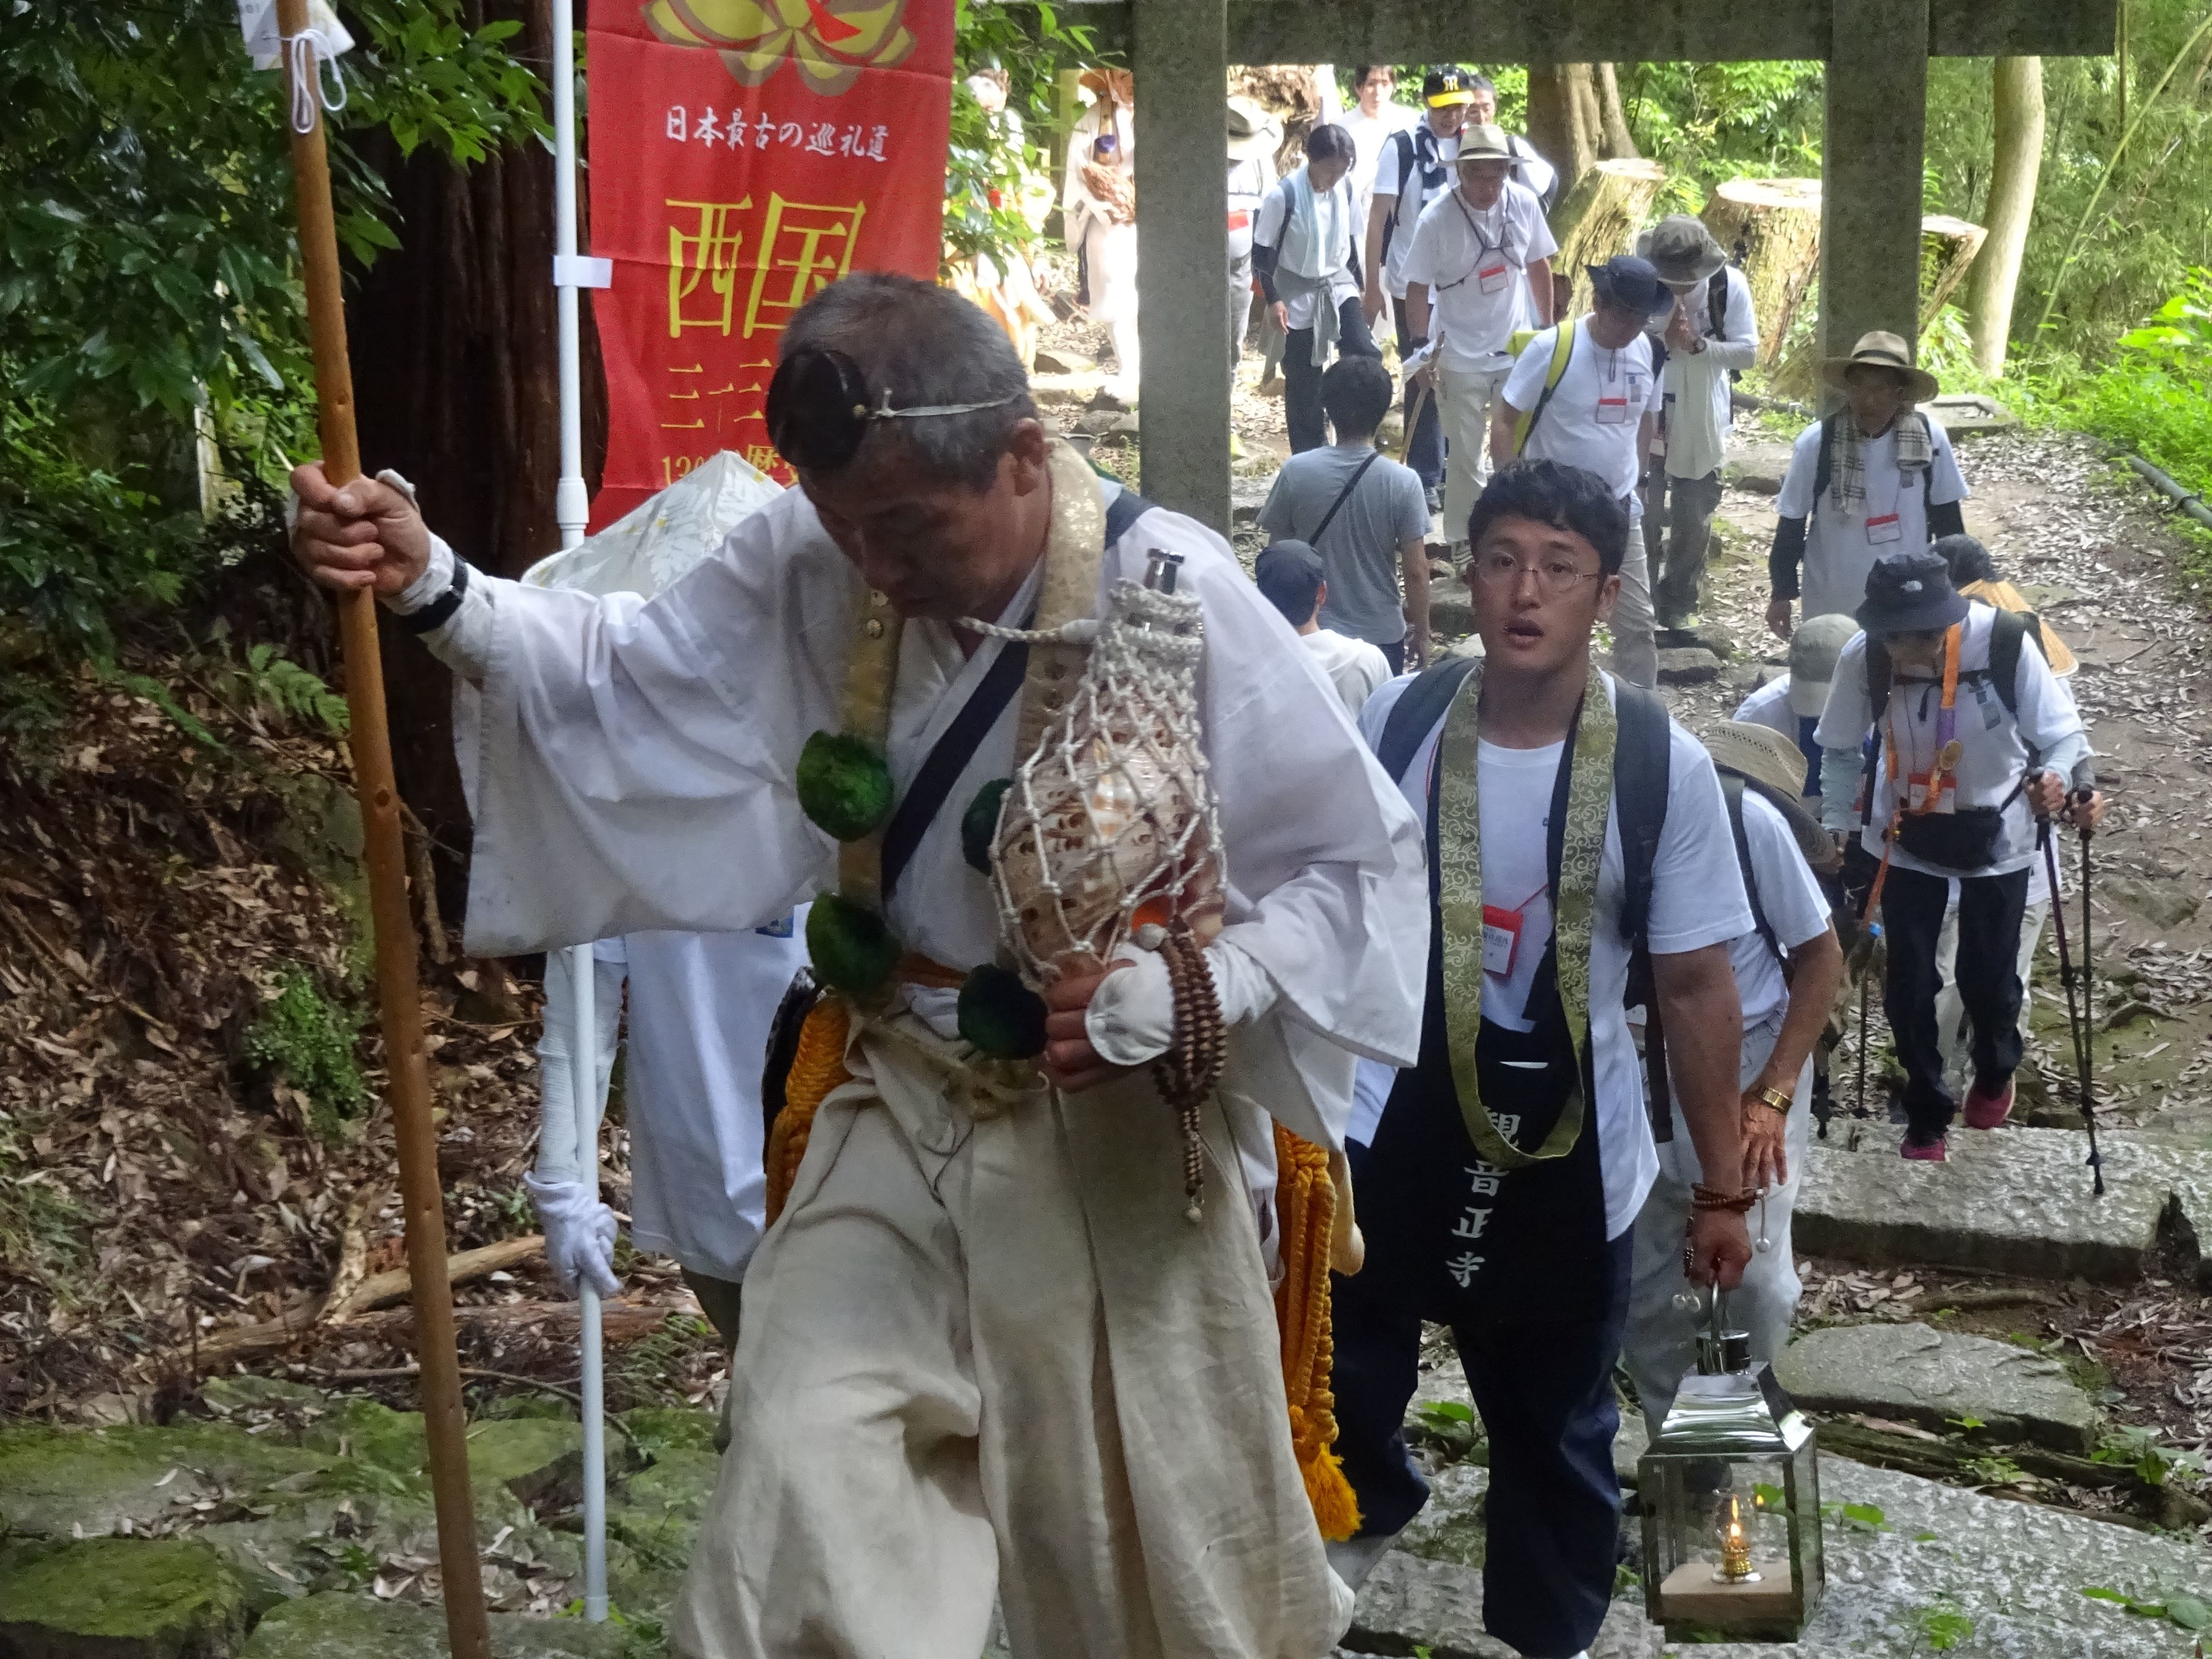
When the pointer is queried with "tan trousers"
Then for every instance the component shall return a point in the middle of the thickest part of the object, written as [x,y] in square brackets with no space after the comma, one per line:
[987,1355]
[1465,400]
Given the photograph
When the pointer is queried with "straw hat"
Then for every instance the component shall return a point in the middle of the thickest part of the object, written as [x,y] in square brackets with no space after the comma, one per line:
[1882,351]
[1770,763]
[1115,86]
[1483,143]
[1255,133]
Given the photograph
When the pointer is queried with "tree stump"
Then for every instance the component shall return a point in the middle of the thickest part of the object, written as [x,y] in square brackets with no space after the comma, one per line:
[1771,229]
[1600,217]
[1948,249]
[1292,93]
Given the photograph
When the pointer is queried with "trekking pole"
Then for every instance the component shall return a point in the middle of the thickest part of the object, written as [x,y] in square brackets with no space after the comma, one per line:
[1413,422]
[2083,791]
[398,998]
[2076,1016]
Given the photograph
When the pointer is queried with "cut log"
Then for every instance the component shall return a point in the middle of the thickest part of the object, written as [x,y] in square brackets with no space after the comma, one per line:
[382,1290]
[1600,217]
[1947,247]
[1771,229]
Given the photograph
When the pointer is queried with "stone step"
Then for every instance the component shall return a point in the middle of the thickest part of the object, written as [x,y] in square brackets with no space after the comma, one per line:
[2012,1200]
[1935,1377]
[334,1626]
[120,1598]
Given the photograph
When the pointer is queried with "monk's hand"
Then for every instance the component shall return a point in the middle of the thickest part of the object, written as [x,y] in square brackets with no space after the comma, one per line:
[1070,1063]
[368,535]
[1719,1249]
[1765,1156]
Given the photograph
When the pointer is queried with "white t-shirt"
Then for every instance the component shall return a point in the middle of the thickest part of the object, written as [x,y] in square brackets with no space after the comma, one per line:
[1354,667]
[1993,747]
[1369,134]
[1697,900]
[1790,898]
[1390,180]
[1697,381]
[1769,706]
[1840,551]
[1329,233]
[1474,264]
[1593,418]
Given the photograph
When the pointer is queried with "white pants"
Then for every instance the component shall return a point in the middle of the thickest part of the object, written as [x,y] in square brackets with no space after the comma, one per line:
[1951,1027]
[1110,251]
[1465,400]
[1661,1342]
[986,1354]
[1635,647]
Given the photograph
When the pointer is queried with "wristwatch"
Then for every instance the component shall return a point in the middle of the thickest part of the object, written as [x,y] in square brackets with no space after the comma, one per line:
[1775,1100]
[440,610]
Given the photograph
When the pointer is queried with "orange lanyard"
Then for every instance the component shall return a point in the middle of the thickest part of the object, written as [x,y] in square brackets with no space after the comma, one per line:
[1947,730]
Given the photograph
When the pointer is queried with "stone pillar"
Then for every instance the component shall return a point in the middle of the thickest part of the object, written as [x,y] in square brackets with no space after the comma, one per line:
[1181,65]
[1872,152]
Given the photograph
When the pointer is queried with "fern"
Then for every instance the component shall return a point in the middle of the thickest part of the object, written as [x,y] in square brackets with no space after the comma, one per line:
[165,700]
[279,683]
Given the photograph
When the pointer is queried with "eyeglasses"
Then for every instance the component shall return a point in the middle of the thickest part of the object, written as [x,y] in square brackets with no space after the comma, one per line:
[1556,577]
[818,413]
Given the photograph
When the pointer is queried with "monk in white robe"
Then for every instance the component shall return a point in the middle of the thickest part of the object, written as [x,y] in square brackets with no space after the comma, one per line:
[984,1350]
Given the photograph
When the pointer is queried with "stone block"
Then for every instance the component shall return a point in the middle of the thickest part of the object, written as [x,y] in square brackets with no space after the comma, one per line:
[120,1598]
[1930,1377]
[1689,666]
[532,1457]
[1705,636]
[1969,415]
[2167,903]
[334,1626]
[58,1481]
[1451,607]
[1064,360]
[1410,1605]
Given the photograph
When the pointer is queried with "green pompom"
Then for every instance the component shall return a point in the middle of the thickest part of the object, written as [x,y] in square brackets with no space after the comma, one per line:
[979,824]
[844,785]
[852,948]
[1000,1015]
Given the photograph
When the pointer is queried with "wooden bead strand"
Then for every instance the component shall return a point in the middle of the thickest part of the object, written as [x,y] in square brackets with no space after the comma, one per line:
[1186,1073]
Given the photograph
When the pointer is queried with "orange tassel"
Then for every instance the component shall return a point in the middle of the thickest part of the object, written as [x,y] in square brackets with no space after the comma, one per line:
[818,1067]
[1305,1210]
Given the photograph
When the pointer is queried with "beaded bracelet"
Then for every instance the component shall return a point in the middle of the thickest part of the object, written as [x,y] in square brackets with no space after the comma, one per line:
[1703,1197]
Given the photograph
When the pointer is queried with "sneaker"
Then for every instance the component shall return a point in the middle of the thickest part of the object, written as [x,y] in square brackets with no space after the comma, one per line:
[1434,497]
[1988,1108]
[1922,1152]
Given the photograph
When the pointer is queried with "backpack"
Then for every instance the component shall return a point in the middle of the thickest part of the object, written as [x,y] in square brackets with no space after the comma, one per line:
[1732,793]
[1409,169]
[1563,352]
[2006,633]
[1640,756]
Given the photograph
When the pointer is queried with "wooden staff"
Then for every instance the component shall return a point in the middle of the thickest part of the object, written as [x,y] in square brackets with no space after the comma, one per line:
[398,1003]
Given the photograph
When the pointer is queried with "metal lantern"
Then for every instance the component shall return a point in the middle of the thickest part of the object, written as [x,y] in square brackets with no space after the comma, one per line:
[1730,1493]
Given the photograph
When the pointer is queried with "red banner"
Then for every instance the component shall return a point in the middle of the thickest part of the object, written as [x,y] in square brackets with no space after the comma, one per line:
[744,154]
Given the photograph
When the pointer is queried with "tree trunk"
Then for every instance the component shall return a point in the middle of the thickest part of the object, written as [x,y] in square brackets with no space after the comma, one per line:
[1600,216]
[1558,125]
[1619,143]
[1590,120]
[1771,229]
[1949,248]
[456,376]
[2019,159]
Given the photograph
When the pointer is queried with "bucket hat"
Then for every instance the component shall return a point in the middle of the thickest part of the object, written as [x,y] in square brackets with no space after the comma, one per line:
[1254,132]
[1910,593]
[1628,281]
[1484,144]
[1770,763]
[1681,250]
[1814,645]
[1883,350]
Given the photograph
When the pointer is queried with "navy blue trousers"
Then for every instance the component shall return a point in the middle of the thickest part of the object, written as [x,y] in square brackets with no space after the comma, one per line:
[1544,1394]
[1426,455]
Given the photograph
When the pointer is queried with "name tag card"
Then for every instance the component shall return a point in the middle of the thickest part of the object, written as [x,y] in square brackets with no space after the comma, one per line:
[1887,528]
[1613,411]
[1501,940]
[1493,278]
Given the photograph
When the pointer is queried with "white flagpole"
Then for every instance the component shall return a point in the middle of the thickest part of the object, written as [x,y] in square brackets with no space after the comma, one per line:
[571,507]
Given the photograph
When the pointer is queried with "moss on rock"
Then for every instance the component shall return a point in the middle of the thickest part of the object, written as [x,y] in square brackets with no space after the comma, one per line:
[120,1598]
[331,1626]
[55,1481]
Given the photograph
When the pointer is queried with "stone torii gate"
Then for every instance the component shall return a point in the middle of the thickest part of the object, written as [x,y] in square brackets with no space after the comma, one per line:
[1873,148]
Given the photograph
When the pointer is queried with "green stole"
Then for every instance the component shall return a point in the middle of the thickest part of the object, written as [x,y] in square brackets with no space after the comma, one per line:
[1574,903]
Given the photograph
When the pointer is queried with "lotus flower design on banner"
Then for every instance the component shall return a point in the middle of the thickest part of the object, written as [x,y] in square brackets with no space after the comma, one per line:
[830,42]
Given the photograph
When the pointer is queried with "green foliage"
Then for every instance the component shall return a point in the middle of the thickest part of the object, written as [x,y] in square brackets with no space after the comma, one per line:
[1708,123]
[1996,1471]
[307,1038]
[1942,1626]
[2138,1449]
[2189,1611]
[995,160]
[42,1229]
[1866,1518]
[278,683]
[1451,1426]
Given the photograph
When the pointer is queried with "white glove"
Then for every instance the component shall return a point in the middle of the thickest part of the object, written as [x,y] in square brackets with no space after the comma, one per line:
[1131,1018]
[580,1235]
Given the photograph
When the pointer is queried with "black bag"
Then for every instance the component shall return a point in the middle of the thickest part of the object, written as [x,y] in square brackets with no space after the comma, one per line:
[1964,839]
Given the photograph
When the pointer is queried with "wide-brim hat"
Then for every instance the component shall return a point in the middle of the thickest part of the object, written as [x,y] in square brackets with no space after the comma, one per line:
[1681,250]
[1255,132]
[1814,645]
[1910,593]
[1769,763]
[2005,597]
[1483,143]
[1881,349]
[1117,86]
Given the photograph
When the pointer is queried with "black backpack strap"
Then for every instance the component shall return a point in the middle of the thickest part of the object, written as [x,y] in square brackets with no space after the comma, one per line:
[1732,793]
[1717,304]
[2005,634]
[1879,669]
[1123,511]
[1342,497]
[1418,708]
[1824,468]
[1641,754]
[1408,178]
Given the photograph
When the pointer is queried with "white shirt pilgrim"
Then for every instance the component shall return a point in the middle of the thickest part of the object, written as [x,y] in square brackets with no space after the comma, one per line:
[1769,706]
[1370,136]
[632,768]
[1354,667]
[1393,181]
[1697,900]
[1591,420]
[1697,381]
[1840,551]
[1329,228]
[1475,266]
[1791,899]
[1993,749]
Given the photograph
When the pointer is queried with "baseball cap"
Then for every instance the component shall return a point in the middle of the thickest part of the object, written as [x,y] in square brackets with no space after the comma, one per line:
[1628,281]
[1448,85]
[1814,645]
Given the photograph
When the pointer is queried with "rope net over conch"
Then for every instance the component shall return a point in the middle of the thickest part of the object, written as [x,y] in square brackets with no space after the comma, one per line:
[1110,824]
